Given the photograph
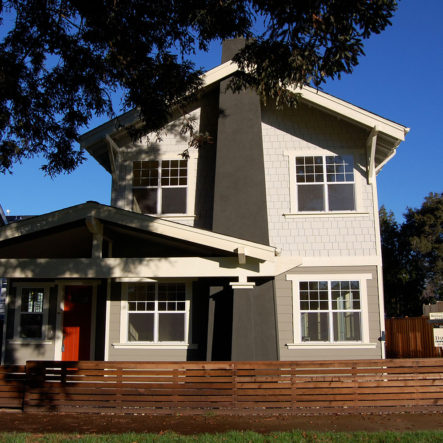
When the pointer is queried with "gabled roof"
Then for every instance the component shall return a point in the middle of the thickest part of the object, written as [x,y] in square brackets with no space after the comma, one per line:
[389,133]
[140,222]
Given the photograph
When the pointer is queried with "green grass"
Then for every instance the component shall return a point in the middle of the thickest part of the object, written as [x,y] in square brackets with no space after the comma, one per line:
[234,436]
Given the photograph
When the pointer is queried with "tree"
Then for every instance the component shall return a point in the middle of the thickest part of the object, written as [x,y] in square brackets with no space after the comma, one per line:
[413,257]
[62,60]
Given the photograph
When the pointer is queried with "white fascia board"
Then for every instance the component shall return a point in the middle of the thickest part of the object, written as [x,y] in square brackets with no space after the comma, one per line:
[218,73]
[171,267]
[352,112]
[139,221]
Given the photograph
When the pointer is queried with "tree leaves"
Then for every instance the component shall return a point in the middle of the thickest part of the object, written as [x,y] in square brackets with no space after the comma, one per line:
[62,60]
[413,257]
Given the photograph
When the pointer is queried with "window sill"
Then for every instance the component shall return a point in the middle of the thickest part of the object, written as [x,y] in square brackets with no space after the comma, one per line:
[326,214]
[325,345]
[173,216]
[144,345]
[29,341]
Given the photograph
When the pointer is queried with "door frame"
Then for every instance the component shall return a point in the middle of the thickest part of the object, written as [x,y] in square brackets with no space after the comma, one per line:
[60,309]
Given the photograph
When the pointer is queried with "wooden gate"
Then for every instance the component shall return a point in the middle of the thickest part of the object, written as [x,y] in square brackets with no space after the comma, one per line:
[410,337]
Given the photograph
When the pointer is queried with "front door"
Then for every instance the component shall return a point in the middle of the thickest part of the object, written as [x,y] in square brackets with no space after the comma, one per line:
[77,323]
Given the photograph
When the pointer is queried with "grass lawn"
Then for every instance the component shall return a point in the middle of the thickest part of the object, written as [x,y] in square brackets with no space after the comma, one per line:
[233,436]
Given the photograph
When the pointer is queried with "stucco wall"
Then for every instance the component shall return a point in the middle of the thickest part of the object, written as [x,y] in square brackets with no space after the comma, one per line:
[307,131]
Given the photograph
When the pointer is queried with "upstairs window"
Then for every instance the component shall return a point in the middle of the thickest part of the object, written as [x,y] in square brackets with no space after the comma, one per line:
[160,187]
[325,183]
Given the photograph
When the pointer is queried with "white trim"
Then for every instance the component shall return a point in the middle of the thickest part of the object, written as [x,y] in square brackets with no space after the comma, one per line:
[5,321]
[334,345]
[29,341]
[381,305]
[58,339]
[326,214]
[357,260]
[296,312]
[107,319]
[242,285]
[155,267]
[161,345]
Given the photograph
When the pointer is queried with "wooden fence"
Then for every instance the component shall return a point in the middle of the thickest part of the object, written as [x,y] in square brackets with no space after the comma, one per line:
[410,338]
[136,387]
[12,386]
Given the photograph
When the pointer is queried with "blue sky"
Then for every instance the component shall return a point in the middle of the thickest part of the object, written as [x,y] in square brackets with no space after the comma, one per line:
[400,78]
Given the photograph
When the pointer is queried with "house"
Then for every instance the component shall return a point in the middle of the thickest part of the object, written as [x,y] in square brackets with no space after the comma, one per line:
[263,245]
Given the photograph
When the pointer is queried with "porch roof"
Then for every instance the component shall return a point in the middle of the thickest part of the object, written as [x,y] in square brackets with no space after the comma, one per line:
[91,211]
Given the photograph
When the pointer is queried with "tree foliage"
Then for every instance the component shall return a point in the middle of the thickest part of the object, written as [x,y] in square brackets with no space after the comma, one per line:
[413,257]
[61,60]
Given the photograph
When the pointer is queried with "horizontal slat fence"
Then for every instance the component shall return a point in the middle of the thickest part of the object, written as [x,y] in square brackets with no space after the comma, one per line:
[134,386]
[12,384]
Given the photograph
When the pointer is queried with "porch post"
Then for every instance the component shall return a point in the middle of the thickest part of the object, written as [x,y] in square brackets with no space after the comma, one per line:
[254,331]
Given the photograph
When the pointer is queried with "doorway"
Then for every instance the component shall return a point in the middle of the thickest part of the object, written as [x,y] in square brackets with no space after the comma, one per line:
[77,310]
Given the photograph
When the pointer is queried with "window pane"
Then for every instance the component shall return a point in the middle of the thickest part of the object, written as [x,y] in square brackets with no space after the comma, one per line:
[174,200]
[310,198]
[145,200]
[141,327]
[341,197]
[347,326]
[314,326]
[32,300]
[171,327]
[31,325]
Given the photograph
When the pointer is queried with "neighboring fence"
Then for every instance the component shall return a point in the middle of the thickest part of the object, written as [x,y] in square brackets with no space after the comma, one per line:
[12,384]
[410,338]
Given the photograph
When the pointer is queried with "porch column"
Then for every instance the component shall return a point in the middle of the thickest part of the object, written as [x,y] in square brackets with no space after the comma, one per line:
[254,324]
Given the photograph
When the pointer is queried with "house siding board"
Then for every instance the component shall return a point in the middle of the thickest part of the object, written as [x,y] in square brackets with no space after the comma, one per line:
[285,316]
[308,131]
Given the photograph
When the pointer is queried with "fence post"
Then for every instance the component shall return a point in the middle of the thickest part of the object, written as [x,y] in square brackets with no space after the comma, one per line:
[234,386]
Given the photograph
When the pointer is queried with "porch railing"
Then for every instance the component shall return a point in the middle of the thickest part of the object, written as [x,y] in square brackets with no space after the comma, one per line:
[132,386]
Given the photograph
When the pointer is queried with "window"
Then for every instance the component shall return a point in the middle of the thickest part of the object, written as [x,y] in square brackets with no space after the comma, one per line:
[31,313]
[157,312]
[330,311]
[160,187]
[325,183]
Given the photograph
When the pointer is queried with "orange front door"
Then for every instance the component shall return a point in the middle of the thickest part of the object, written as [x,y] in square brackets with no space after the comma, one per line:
[77,323]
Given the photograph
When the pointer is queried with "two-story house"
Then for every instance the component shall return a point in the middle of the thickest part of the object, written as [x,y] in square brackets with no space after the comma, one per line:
[262,245]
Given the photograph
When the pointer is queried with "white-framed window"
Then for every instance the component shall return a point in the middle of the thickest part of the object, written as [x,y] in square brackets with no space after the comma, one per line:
[330,310]
[160,186]
[31,312]
[155,313]
[325,183]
